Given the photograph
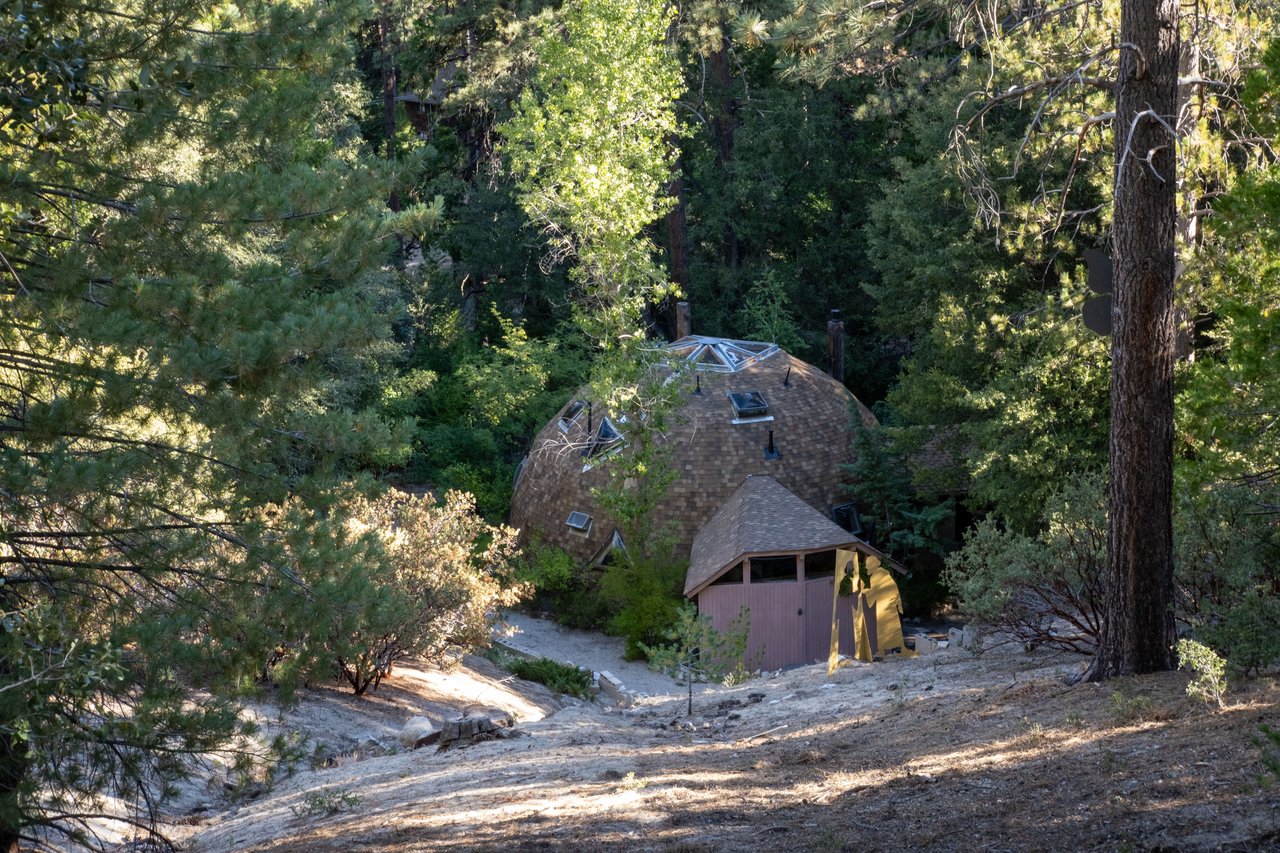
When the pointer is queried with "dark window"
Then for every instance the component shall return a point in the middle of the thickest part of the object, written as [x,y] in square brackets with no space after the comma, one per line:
[748,404]
[606,438]
[820,565]
[614,550]
[571,413]
[846,515]
[579,522]
[734,575]
[766,569]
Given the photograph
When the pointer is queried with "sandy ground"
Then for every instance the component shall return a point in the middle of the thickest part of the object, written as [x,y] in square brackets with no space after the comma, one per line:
[592,650]
[945,752]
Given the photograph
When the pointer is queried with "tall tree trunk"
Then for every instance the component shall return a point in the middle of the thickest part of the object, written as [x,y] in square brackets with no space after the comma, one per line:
[1138,629]
[678,234]
[388,91]
[723,125]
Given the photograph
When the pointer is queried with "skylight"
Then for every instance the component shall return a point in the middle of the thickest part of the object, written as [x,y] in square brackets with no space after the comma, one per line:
[719,354]
[579,522]
[606,438]
[748,404]
[846,515]
[571,413]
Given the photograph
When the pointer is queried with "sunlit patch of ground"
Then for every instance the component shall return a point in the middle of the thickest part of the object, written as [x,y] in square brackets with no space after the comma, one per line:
[944,753]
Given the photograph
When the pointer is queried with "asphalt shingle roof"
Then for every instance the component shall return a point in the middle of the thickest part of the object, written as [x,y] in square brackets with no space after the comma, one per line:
[760,517]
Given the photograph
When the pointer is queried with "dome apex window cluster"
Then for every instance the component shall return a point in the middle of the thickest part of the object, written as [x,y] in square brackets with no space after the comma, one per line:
[722,355]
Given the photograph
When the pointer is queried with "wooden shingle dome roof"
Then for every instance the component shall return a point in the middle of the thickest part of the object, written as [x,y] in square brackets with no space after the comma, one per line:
[717,438]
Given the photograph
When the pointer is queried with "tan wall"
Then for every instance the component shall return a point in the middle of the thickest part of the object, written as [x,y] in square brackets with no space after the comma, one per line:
[779,635]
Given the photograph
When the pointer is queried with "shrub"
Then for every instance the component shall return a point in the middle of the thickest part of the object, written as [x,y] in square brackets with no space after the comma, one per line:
[645,593]
[1129,708]
[411,578]
[1210,681]
[571,591]
[1228,571]
[325,803]
[560,677]
[1044,589]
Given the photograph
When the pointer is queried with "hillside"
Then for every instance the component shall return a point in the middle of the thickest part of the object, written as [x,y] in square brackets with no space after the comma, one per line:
[946,752]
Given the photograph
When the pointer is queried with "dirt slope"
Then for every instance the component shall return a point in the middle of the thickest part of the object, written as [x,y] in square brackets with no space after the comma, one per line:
[946,752]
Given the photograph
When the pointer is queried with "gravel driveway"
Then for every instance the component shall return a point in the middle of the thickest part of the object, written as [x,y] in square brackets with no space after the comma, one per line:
[593,650]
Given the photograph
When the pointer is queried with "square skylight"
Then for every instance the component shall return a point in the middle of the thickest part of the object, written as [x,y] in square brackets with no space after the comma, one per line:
[579,522]
[748,404]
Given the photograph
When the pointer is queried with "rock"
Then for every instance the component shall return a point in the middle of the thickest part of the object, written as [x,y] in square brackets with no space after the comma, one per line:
[499,716]
[323,756]
[465,730]
[416,730]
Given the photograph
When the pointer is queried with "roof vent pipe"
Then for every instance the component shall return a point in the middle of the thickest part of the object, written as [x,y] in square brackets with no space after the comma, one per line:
[683,320]
[771,452]
[786,382]
[835,345]
[698,388]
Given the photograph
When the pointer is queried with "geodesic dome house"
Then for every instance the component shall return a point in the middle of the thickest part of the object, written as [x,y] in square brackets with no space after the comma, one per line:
[747,407]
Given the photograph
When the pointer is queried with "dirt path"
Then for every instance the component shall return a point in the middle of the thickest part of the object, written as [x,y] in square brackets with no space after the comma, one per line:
[595,651]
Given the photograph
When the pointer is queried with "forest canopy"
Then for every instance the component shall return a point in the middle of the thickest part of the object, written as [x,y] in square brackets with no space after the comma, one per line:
[260,261]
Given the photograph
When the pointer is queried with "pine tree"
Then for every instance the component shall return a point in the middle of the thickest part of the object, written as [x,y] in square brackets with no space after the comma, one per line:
[186,224]
[1137,624]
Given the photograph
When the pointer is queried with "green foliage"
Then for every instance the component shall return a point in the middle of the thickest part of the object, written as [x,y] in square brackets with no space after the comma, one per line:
[1209,683]
[193,322]
[565,587]
[442,576]
[1131,707]
[1269,743]
[590,145]
[560,677]
[484,393]
[899,524]
[767,315]
[645,595]
[1227,481]
[696,651]
[1044,589]
[1227,570]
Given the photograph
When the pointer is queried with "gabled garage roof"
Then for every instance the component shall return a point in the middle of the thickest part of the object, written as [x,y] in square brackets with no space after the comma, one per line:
[760,517]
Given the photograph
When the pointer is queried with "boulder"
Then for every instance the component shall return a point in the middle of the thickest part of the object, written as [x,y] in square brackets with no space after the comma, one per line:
[466,730]
[417,732]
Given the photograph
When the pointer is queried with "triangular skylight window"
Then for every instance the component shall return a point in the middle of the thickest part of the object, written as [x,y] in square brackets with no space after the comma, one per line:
[722,355]
[570,414]
[606,438]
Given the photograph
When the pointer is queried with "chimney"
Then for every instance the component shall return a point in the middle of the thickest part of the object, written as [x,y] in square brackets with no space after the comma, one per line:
[835,345]
[682,320]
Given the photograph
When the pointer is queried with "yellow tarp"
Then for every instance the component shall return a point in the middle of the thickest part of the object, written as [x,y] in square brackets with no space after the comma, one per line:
[846,566]
[883,598]
[877,608]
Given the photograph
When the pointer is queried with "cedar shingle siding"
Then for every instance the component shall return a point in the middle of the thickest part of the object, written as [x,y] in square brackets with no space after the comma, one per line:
[711,454]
